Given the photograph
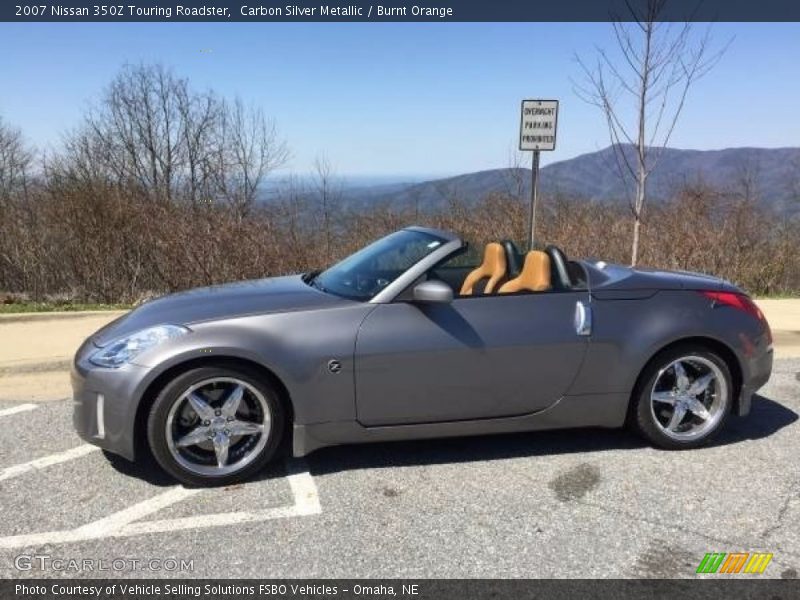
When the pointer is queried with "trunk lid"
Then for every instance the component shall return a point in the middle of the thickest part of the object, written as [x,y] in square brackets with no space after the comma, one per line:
[614,279]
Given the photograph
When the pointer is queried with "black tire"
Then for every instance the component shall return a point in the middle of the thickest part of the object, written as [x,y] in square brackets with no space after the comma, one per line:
[642,415]
[172,392]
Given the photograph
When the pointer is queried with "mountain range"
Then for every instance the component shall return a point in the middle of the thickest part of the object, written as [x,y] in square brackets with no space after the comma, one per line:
[773,175]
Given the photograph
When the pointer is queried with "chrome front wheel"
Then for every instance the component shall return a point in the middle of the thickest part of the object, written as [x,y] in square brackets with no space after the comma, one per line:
[215,426]
[218,426]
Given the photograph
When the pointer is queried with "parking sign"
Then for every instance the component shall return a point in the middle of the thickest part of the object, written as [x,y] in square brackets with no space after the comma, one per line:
[537,129]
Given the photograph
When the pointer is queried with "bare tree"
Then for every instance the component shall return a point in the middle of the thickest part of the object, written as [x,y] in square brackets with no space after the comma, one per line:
[519,174]
[643,91]
[16,159]
[292,204]
[329,191]
[140,128]
[151,130]
[747,182]
[253,149]
[201,116]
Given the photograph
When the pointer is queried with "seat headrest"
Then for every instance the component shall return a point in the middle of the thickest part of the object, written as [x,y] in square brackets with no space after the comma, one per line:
[494,255]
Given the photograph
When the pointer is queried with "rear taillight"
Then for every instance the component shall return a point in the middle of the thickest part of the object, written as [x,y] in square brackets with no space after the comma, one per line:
[740,302]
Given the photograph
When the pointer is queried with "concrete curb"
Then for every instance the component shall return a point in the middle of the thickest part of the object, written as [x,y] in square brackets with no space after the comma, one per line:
[28,367]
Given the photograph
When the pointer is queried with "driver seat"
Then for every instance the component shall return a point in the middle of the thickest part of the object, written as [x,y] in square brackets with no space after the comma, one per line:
[493,267]
[535,275]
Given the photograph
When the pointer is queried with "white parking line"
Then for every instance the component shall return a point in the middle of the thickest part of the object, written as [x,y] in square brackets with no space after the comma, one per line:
[17,409]
[119,520]
[46,461]
[306,502]
[122,523]
[306,496]
[105,527]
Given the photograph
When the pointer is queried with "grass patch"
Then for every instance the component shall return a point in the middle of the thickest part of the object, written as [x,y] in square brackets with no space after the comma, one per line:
[39,307]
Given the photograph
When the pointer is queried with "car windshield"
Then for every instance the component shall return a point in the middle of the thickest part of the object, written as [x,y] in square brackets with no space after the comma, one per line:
[362,275]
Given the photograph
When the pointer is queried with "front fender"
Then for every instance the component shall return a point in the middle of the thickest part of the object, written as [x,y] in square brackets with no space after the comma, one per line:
[295,346]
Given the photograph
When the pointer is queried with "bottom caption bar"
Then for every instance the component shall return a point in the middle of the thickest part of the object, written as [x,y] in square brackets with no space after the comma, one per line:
[422,589]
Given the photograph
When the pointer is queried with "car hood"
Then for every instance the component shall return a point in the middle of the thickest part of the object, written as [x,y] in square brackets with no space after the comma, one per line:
[277,294]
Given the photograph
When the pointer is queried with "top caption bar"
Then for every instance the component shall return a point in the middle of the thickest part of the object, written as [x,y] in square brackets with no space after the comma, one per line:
[397,11]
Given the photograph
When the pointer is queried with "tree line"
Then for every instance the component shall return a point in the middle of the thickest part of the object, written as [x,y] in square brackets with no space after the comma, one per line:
[160,188]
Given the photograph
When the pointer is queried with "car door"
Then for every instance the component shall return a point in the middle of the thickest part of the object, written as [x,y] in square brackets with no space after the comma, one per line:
[475,358]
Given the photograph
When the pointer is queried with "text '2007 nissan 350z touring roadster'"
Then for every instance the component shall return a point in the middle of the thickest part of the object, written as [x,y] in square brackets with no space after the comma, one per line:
[411,338]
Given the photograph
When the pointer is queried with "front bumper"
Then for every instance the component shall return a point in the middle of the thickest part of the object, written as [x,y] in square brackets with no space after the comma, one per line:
[105,402]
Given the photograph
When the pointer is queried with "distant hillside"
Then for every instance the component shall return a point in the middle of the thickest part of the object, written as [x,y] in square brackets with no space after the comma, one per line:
[774,172]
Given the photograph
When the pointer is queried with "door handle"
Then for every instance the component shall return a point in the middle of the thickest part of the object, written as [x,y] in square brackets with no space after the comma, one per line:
[583,319]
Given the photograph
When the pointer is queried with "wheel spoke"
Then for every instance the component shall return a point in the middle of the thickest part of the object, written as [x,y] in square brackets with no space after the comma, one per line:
[245,428]
[231,404]
[200,406]
[701,384]
[665,397]
[681,379]
[195,436]
[677,417]
[698,408]
[221,444]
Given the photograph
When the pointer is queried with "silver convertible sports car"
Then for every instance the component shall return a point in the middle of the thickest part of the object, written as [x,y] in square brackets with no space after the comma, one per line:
[410,338]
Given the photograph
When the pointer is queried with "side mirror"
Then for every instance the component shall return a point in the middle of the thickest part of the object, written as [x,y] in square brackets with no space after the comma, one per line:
[433,292]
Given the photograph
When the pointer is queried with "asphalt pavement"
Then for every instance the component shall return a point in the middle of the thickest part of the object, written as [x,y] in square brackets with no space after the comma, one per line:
[579,503]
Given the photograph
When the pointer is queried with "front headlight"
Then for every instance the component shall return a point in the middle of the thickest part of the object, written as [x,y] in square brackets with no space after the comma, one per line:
[125,349]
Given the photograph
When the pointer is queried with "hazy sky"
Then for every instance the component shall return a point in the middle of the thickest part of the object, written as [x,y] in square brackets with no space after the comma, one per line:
[397,99]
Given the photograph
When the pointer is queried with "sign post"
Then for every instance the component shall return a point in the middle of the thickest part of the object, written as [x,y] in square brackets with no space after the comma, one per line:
[537,132]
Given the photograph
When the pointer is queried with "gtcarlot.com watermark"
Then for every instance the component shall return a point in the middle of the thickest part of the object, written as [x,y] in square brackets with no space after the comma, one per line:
[67,564]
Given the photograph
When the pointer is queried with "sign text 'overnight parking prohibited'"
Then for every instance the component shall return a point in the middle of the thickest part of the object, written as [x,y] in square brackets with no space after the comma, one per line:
[537,129]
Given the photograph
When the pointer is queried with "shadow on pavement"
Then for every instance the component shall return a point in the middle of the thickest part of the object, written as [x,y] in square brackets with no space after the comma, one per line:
[147,469]
[766,418]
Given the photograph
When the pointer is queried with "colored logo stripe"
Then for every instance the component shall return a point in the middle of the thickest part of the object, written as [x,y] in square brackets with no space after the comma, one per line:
[734,562]
[758,563]
[711,562]
[755,563]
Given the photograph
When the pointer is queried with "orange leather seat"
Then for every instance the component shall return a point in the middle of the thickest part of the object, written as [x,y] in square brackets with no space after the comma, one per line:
[493,267]
[535,275]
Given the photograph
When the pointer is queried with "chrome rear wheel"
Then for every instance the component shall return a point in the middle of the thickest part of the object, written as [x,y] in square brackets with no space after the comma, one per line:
[689,397]
[683,397]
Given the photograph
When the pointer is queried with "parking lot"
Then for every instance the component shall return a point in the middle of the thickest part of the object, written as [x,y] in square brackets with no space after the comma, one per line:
[585,503]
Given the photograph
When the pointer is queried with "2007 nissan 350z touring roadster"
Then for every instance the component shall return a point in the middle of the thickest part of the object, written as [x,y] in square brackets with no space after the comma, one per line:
[410,338]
